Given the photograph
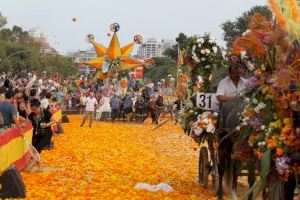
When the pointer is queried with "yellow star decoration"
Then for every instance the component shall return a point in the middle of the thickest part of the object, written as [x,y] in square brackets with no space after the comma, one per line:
[112,53]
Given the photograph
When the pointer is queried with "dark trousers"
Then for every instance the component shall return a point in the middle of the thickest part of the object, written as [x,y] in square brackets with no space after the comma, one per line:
[115,113]
[154,116]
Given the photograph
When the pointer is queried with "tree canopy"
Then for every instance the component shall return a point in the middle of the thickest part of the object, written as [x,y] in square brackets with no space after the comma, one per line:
[173,51]
[233,29]
[163,67]
[19,51]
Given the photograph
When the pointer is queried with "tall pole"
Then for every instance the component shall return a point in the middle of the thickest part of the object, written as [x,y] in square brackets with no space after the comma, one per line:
[178,53]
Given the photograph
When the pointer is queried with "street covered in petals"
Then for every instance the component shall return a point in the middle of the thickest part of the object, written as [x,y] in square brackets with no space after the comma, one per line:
[150,100]
[107,161]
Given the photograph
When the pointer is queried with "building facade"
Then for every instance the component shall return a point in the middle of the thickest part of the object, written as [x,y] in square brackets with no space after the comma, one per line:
[83,56]
[153,48]
[39,36]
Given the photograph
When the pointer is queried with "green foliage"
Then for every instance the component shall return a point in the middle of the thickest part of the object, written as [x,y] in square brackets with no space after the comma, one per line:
[182,40]
[172,52]
[3,21]
[18,51]
[204,57]
[233,29]
[163,67]
[265,163]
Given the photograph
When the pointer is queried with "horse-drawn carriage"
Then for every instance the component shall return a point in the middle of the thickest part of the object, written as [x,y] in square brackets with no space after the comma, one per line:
[216,147]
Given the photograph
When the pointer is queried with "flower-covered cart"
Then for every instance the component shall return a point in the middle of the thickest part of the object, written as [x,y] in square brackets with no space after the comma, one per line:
[199,119]
[270,120]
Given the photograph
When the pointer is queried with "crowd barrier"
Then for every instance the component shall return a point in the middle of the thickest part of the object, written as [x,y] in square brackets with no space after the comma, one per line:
[13,148]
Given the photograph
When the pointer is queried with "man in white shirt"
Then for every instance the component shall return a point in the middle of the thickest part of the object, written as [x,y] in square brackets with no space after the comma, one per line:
[228,90]
[231,86]
[90,104]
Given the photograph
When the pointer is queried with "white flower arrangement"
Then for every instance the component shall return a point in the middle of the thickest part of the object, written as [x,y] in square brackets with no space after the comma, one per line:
[215,49]
[259,107]
[255,101]
[250,66]
[200,40]
[261,144]
[243,54]
[212,41]
[206,122]
[224,53]
[195,57]
[200,79]
[247,100]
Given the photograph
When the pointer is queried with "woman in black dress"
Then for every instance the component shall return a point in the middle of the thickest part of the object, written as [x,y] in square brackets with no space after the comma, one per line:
[41,120]
[140,110]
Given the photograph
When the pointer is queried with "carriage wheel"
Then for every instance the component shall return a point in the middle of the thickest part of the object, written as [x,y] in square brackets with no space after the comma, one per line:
[203,167]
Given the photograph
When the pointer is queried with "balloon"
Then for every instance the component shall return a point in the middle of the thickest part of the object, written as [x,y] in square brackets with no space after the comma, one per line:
[150,63]
[115,27]
[138,39]
[90,38]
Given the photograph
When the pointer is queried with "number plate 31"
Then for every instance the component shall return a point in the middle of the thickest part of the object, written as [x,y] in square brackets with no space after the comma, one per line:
[207,101]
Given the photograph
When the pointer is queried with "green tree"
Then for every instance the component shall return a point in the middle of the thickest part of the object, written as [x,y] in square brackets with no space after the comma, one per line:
[172,52]
[182,40]
[3,20]
[163,67]
[236,28]
[29,55]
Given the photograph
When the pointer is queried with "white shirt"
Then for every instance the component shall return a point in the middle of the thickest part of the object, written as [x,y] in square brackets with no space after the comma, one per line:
[90,104]
[227,88]
[45,103]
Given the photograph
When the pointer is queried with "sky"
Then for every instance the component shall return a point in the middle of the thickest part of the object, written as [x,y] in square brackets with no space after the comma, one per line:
[161,19]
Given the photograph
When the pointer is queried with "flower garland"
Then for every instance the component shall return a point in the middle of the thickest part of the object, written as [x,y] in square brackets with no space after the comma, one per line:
[206,123]
[268,121]
[203,56]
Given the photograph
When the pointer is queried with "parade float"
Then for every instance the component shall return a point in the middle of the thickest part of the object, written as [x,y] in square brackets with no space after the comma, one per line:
[199,119]
[270,123]
[114,63]
[114,58]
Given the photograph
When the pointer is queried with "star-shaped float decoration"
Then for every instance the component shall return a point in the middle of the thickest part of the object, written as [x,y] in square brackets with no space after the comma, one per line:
[114,57]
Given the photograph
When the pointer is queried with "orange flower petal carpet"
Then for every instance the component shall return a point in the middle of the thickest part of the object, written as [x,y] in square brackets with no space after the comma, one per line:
[108,160]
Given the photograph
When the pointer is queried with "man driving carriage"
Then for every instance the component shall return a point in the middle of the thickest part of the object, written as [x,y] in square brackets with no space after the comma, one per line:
[229,93]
